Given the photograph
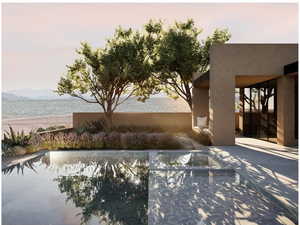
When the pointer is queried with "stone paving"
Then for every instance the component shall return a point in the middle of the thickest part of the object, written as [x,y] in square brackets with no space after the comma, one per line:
[184,195]
[198,197]
[270,166]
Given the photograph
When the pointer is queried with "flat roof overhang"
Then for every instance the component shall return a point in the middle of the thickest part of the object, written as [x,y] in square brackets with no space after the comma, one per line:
[201,80]
[291,69]
[241,81]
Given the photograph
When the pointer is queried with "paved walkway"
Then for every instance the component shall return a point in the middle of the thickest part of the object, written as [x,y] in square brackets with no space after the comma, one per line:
[271,166]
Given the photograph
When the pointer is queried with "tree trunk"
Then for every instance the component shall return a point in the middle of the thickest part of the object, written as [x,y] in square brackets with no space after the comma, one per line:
[108,121]
[190,102]
[188,95]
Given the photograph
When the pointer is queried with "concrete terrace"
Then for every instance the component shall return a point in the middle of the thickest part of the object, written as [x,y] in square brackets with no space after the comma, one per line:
[272,167]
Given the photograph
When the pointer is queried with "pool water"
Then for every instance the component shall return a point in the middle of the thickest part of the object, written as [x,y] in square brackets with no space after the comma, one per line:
[131,188]
[181,160]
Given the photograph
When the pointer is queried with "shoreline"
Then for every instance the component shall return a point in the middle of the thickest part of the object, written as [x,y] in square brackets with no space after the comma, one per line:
[35,117]
[33,123]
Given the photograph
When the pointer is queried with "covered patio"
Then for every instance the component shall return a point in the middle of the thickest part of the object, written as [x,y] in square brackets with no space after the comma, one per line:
[249,67]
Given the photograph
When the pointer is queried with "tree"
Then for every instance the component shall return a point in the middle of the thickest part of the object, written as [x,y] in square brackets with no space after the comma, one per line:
[260,96]
[111,75]
[177,54]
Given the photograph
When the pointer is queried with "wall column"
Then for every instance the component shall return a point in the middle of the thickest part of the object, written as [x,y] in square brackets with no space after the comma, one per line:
[200,103]
[286,111]
[222,106]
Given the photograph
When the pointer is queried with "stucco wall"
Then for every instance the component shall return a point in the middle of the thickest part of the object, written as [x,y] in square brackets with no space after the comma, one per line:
[237,120]
[286,111]
[200,104]
[166,121]
[230,60]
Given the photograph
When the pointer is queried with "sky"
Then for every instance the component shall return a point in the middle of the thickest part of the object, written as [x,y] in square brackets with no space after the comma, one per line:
[39,39]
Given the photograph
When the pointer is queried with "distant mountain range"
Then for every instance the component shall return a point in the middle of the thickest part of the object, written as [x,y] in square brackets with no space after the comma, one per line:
[34,94]
[47,94]
[40,94]
[11,97]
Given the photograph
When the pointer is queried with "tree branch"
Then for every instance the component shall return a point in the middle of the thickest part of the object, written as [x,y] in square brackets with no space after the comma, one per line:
[78,96]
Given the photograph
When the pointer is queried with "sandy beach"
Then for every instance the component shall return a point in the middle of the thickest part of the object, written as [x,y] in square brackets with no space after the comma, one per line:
[28,124]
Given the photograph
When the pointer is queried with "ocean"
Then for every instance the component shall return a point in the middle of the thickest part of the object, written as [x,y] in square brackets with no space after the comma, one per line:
[37,108]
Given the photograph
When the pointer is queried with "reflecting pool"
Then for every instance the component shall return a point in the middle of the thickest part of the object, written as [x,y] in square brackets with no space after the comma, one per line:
[131,188]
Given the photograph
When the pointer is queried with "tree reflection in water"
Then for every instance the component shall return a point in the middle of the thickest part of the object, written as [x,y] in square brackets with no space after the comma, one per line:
[115,191]
[19,167]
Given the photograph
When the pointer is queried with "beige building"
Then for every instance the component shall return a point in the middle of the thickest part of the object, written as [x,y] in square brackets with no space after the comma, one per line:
[263,80]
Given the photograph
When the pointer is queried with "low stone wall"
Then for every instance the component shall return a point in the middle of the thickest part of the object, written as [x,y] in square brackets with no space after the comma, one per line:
[165,120]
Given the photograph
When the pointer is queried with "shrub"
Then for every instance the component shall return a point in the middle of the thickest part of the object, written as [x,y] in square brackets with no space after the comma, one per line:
[59,141]
[60,127]
[47,141]
[70,140]
[50,128]
[15,143]
[149,141]
[203,137]
[85,141]
[98,140]
[40,129]
[7,151]
[134,140]
[147,129]
[137,129]
[80,130]
[35,142]
[91,141]
[113,140]
[162,141]
[12,138]
[153,140]
[92,127]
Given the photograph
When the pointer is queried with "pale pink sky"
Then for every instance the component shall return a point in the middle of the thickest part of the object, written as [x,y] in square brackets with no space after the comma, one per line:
[39,39]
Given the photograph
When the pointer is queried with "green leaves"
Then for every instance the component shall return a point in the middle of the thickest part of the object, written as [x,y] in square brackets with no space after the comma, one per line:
[12,138]
[126,56]
[111,74]
[177,53]
[142,63]
[219,36]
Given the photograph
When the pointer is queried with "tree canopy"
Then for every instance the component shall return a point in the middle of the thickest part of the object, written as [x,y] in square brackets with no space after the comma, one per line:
[109,76]
[135,63]
[177,53]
